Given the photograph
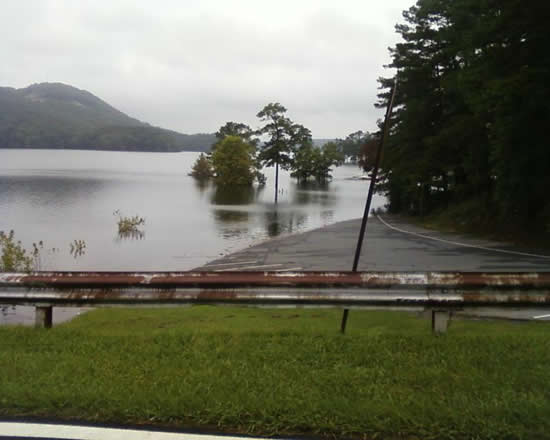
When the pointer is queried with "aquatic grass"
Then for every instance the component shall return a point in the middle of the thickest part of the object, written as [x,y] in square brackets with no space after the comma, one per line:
[283,372]
[129,227]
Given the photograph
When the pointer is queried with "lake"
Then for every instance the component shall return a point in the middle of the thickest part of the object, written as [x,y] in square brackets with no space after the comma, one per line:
[58,196]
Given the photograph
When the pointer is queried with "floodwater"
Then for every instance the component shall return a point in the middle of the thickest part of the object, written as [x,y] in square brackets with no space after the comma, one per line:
[59,196]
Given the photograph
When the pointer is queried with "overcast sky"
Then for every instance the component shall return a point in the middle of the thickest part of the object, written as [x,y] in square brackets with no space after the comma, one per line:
[192,65]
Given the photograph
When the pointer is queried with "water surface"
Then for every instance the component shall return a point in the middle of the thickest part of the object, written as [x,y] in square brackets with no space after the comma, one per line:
[58,196]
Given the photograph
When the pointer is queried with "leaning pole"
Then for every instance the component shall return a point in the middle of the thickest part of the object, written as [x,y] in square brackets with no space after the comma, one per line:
[372,185]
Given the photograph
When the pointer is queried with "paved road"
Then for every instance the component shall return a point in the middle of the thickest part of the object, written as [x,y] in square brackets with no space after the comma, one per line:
[390,245]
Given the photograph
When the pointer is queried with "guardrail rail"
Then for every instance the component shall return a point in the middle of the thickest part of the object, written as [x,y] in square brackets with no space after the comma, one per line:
[440,292]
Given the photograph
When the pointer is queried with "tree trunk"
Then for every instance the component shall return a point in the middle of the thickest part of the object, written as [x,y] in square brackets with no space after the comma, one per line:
[276,181]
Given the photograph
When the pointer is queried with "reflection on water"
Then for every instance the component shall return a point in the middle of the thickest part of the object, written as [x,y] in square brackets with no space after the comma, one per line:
[134,234]
[228,216]
[279,222]
[236,195]
[314,192]
[201,185]
[49,190]
[63,196]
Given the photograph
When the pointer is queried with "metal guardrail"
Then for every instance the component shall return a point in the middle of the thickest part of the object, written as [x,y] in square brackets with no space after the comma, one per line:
[440,292]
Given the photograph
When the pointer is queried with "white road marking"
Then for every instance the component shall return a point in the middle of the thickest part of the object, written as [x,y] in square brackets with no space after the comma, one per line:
[247,267]
[230,264]
[456,243]
[15,430]
[541,316]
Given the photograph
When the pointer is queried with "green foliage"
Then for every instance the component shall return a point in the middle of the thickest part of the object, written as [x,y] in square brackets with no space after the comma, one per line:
[310,161]
[330,156]
[15,258]
[284,138]
[202,168]
[352,144]
[233,162]
[277,149]
[471,106]
[237,163]
[236,129]
[304,164]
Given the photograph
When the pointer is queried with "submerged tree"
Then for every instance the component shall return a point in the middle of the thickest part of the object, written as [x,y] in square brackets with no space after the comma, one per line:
[310,161]
[249,136]
[236,129]
[351,146]
[233,162]
[219,166]
[329,156]
[202,169]
[303,166]
[283,137]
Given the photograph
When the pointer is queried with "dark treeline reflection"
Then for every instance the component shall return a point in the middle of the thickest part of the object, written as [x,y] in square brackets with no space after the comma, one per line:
[307,193]
[201,185]
[279,222]
[231,216]
[235,195]
[239,210]
[130,235]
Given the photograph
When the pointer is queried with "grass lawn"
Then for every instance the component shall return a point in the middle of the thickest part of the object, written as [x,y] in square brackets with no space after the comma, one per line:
[283,372]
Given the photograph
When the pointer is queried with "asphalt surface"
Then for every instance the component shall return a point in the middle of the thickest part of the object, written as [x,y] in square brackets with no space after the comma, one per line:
[390,244]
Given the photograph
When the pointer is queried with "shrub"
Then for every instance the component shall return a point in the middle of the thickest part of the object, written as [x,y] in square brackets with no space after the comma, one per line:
[15,257]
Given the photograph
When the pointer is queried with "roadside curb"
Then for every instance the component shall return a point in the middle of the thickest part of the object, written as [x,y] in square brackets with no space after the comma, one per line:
[11,429]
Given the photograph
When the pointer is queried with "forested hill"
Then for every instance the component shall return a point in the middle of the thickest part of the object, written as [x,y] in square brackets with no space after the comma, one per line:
[54,115]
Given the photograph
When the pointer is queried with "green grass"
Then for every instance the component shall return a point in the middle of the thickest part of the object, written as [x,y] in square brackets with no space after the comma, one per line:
[283,372]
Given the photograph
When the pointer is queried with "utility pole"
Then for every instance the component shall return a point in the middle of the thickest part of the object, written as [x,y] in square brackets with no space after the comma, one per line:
[372,185]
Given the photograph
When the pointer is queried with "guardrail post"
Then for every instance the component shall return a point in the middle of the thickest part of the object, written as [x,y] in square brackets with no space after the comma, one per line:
[43,317]
[440,321]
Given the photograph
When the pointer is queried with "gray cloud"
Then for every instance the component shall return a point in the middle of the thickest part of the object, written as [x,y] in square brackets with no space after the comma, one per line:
[192,65]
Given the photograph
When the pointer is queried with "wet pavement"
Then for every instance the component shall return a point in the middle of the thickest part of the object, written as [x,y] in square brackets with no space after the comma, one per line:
[391,244]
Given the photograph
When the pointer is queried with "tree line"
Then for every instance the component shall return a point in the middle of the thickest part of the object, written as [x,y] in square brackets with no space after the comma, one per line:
[469,126]
[240,152]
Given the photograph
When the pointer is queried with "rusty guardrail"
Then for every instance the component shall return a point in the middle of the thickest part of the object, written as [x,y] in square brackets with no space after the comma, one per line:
[438,291]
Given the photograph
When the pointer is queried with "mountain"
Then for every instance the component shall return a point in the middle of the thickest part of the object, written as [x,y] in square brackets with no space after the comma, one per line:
[54,115]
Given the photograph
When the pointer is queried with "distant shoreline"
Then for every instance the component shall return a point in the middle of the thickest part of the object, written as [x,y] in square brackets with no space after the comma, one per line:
[119,150]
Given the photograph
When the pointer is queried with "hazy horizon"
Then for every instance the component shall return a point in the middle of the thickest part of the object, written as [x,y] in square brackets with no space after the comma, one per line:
[191,67]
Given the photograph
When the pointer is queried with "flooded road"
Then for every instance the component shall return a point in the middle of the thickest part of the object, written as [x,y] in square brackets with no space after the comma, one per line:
[64,197]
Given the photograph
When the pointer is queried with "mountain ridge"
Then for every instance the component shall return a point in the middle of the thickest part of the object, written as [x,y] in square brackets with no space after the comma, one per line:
[60,116]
